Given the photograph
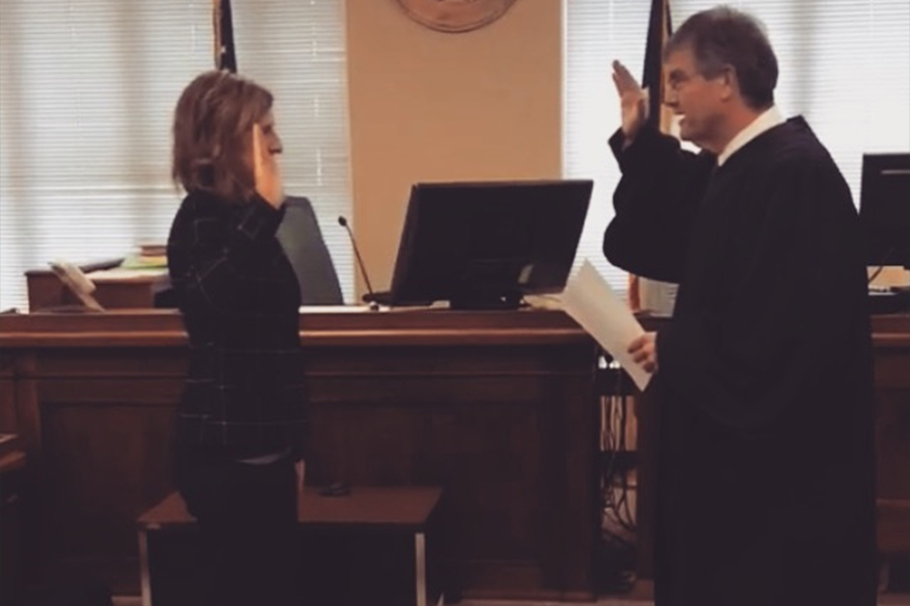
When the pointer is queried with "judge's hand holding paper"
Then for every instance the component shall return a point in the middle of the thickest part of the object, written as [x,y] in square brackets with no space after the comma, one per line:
[590,301]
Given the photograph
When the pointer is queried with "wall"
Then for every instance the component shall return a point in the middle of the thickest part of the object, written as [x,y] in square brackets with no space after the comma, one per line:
[430,106]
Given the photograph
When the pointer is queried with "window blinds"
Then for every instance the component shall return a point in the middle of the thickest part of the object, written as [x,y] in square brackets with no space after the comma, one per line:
[843,65]
[596,32]
[298,51]
[87,91]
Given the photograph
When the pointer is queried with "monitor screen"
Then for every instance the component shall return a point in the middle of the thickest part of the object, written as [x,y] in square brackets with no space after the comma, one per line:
[484,245]
[884,208]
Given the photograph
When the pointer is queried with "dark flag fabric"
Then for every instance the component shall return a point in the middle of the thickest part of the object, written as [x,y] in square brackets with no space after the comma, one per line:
[225,57]
[659,30]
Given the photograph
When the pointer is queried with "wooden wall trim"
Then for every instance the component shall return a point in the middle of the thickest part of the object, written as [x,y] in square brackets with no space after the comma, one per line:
[891,340]
[159,328]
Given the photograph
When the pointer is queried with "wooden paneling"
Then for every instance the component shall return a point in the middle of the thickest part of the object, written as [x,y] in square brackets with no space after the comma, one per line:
[8,422]
[497,408]
[891,338]
[11,524]
[105,461]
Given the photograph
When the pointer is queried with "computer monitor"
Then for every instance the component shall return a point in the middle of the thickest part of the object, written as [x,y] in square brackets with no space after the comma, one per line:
[884,209]
[485,245]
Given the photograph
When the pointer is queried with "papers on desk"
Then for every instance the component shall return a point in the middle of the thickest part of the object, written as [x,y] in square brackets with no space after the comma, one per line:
[77,282]
[122,274]
[355,309]
[590,301]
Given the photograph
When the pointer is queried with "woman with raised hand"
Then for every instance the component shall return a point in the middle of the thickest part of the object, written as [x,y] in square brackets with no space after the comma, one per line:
[241,421]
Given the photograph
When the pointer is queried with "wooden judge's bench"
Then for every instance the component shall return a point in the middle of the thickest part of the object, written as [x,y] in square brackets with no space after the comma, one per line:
[496,408]
[499,409]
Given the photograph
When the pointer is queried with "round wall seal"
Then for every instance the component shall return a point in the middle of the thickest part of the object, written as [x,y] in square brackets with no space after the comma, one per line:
[455,15]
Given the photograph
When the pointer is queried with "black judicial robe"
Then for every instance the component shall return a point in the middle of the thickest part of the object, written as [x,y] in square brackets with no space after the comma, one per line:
[766,453]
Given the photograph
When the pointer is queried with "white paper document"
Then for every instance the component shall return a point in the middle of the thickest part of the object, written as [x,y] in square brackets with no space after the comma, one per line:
[591,302]
[335,309]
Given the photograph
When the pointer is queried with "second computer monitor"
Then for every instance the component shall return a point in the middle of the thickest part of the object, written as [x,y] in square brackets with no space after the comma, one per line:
[884,208]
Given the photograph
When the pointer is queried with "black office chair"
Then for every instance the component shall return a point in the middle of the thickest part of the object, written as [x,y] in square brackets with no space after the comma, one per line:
[301,238]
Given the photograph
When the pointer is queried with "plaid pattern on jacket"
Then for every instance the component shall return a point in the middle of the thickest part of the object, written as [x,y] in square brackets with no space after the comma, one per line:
[244,395]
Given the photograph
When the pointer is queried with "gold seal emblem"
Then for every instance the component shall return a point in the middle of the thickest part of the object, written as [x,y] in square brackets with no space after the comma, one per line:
[455,15]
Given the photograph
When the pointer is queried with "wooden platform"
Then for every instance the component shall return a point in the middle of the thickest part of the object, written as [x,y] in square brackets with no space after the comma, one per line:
[374,545]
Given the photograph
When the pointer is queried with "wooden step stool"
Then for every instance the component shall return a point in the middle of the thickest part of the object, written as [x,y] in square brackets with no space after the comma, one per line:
[374,545]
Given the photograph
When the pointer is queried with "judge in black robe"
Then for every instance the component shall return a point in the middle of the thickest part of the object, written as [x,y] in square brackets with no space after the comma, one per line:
[763,376]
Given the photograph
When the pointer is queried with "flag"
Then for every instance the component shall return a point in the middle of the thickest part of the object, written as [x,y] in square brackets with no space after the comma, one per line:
[659,116]
[659,30]
[225,58]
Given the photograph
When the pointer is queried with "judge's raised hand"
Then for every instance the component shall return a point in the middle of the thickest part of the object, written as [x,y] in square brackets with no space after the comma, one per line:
[644,351]
[633,101]
[266,171]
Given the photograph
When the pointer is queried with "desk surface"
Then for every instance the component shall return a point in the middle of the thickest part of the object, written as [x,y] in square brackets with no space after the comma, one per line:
[164,328]
[402,507]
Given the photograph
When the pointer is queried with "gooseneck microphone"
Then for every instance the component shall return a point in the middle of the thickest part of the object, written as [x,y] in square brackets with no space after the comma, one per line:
[363,270]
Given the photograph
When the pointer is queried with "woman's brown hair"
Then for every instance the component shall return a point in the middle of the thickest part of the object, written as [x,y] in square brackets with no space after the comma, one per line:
[213,125]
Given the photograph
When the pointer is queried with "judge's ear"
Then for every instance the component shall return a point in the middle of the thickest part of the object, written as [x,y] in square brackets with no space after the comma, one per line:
[728,82]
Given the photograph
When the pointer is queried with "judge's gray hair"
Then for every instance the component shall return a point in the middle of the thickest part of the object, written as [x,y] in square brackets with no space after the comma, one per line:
[722,38]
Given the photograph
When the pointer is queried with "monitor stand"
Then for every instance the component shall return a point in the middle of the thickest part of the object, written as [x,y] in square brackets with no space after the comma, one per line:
[486,301]
[472,301]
